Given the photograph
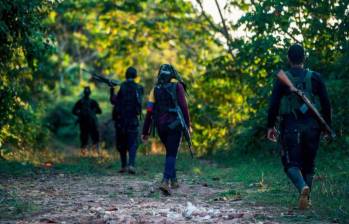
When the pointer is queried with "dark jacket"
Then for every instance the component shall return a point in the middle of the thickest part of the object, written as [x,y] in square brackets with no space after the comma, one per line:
[132,110]
[86,109]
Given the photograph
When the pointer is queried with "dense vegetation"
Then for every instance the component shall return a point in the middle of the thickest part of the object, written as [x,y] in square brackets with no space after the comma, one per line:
[47,46]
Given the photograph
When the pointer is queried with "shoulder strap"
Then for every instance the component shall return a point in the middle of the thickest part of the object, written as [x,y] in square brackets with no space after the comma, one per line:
[308,83]
[171,88]
[290,76]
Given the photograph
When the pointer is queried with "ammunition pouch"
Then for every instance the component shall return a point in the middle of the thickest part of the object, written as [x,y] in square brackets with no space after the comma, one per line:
[176,124]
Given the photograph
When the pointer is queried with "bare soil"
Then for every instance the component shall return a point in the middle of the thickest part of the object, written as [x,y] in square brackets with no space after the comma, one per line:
[62,198]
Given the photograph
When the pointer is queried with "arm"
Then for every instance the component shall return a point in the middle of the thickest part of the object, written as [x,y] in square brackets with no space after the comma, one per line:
[183,104]
[274,104]
[149,116]
[273,111]
[321,91]
[113,96]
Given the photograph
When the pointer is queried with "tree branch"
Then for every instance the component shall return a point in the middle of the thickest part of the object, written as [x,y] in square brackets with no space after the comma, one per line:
[226,31]
[208,19]
[216,28]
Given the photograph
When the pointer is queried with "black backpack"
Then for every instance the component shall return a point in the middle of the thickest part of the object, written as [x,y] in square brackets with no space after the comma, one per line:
[130,106]
[165,97]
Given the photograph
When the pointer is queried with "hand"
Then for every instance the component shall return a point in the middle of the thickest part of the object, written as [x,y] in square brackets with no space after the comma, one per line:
[271,135]
[145,138]
[190,130]
[326,137]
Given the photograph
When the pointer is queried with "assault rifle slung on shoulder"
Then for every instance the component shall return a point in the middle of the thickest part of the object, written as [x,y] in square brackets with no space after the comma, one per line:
[286,81]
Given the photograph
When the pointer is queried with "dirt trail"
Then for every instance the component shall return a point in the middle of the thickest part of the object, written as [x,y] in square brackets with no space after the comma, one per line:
[62,198]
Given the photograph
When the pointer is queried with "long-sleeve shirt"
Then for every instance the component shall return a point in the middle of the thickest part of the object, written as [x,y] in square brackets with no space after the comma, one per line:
[165,118]
[280,90]
[114,98]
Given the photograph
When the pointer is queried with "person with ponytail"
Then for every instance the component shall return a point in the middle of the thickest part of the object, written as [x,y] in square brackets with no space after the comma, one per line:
[169,92]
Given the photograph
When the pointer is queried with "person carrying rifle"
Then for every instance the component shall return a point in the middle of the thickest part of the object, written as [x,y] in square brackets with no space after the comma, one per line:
[86,110]
[126,112]
[164,100]
[299,127]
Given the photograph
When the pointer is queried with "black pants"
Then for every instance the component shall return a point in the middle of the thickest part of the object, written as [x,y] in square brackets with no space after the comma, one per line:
[88,129]
[127,141]
[171,139]
[300,141]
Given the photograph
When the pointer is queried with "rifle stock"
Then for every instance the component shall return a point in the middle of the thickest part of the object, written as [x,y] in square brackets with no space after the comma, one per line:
[286,81]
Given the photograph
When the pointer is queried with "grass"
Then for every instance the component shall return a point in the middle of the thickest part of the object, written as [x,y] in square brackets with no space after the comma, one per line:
[253,177]
[264,181]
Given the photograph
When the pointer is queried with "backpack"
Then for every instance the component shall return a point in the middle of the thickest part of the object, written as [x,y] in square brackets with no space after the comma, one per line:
[131,104]
[165,97]
[291,104]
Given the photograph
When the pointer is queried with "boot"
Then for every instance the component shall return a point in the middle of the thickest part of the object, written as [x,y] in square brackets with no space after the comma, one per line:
[309,181]
[304,198]
[165,187]
[131,170]
[123,170]
[174,183]
[83,152]
[95,150]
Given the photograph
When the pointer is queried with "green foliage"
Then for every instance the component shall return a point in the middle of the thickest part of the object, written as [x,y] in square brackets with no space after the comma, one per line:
[271,27]
[24,48]
[228,95]
[108,37]
[61,121]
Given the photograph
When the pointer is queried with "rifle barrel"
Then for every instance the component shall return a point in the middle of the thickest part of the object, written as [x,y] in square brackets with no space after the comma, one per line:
[101,78]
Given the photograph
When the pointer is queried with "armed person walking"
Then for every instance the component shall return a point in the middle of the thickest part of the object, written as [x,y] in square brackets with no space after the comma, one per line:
[126,112]
[86,109]
[300,129]
[165,100]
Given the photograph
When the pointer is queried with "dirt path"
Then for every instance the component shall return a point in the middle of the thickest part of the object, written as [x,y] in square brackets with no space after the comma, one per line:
[62,198]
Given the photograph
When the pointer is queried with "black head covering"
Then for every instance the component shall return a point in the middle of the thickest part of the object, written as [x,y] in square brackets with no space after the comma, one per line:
[131,73]
[168,72]
[87,91]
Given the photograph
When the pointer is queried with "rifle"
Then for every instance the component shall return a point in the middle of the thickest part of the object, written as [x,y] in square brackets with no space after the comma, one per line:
[184,127]
[101,78]
[285,80]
